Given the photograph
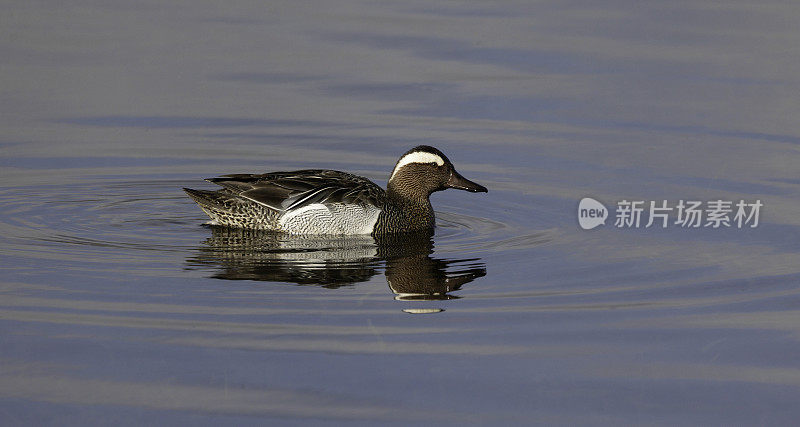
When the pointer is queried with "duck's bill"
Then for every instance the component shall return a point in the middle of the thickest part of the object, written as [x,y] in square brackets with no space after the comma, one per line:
[461,183]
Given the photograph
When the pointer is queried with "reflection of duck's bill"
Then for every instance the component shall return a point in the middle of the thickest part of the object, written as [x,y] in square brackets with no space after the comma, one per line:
[423,297]
[422,310]
[459,278]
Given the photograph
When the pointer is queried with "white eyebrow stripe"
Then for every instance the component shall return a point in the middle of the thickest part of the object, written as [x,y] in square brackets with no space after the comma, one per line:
[417,157]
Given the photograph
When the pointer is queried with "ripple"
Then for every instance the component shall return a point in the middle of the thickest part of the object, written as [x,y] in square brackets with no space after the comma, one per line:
[82,221]
[459,232]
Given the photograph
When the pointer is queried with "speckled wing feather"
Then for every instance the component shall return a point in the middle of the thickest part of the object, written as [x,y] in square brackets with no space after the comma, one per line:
[285,191]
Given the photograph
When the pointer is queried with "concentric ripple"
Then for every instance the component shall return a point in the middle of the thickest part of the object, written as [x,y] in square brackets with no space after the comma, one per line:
[83,221]
[135,221]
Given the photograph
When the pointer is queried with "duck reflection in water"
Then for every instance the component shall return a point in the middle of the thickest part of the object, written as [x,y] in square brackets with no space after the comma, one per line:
[331,262]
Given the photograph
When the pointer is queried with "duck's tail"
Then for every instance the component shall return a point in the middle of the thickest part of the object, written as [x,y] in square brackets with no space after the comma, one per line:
[226,208]
[212,203]
[209,199]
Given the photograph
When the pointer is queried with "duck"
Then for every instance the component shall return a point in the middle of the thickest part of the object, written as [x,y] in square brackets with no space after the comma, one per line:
[330,202]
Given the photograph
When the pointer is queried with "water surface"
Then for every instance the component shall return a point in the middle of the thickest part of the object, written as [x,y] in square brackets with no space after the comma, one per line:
[117,305]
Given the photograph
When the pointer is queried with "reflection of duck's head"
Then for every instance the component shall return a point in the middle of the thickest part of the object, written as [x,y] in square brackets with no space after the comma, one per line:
[413,275]
[334,261]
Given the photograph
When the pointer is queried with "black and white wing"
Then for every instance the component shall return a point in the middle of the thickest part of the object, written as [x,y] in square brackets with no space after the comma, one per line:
[286,191]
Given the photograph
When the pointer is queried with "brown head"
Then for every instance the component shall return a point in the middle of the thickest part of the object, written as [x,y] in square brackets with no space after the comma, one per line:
[423,170]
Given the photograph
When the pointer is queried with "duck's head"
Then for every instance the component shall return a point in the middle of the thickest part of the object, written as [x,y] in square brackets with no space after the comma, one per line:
[423,170]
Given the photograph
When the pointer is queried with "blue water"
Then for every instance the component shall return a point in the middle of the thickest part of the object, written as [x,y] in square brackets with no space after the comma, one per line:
[118,306]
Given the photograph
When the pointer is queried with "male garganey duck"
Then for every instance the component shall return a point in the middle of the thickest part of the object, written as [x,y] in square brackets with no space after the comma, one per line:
[318,201]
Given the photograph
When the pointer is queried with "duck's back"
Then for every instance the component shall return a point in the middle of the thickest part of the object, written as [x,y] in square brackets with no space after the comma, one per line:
[300,202]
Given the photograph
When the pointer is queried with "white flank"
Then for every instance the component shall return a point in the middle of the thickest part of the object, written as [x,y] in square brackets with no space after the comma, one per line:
[336,218]
[417,157]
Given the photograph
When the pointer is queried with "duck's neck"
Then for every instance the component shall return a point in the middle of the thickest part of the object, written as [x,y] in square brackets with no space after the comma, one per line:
[407,211]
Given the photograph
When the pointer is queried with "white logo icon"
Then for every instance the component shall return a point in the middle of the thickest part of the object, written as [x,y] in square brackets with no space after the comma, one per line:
[591,213]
